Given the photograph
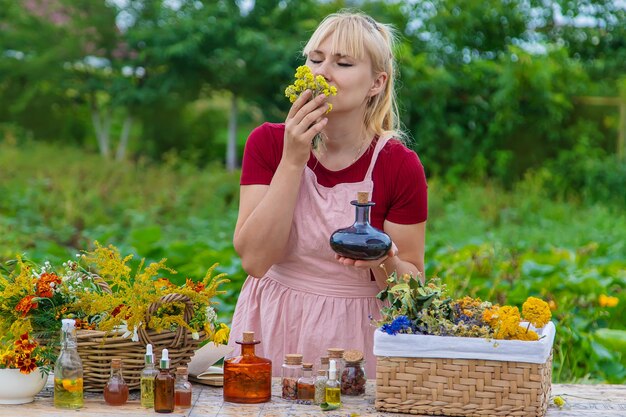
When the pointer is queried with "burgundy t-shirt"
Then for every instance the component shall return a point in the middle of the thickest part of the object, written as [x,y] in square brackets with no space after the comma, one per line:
[400,190]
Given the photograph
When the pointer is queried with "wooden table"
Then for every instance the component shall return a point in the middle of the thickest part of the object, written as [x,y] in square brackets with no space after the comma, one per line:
[582,400]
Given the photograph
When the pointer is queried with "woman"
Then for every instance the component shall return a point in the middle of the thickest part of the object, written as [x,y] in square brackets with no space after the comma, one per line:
[300,297]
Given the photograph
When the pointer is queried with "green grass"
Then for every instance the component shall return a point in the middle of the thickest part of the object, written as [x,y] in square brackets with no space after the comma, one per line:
[482,240]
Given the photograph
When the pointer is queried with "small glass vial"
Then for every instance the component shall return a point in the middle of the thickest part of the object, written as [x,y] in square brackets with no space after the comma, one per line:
[333,388]
[353,375]
[324,364]
[148,374]
[291,372]
[68,370]
[164,386]
[336,354]
[320,387]
[247,377]
[306,383]
[116,390]
[182,388]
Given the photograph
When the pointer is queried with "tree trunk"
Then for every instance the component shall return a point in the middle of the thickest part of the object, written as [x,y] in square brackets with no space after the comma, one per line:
[231,146]
[123,144]
[102,128]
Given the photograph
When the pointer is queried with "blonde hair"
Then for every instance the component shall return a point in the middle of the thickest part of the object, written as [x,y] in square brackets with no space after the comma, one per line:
[356,34]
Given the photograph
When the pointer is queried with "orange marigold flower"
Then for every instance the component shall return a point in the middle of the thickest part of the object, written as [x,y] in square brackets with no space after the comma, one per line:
[26,364]
[26,304]
[196,286]
[607,301]
[536,311]
[24,345]
[162,283]
[46,283]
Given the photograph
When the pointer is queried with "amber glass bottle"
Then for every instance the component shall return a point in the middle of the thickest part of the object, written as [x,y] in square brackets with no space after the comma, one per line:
[247,377]
[164,386]
[361,240]
[116,389]
[182,388]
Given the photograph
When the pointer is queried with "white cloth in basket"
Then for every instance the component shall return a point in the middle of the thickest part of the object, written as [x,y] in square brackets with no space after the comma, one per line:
[421,346]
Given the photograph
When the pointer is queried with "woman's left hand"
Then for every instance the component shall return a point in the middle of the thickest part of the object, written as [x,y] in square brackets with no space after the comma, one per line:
[368,264]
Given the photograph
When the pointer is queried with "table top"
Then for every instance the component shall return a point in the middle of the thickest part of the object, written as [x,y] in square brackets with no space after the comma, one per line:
[207,401]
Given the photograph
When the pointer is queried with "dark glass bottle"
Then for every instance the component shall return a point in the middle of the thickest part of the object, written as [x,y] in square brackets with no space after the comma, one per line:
[361,240]
[247,378]
[164,386]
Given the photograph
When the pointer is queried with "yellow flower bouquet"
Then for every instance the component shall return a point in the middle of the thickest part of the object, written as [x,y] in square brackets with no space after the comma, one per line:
[118,311]
[463,357]
[305,80]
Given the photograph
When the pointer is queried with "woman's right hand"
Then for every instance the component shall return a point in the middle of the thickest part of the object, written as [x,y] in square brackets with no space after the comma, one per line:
[303,122]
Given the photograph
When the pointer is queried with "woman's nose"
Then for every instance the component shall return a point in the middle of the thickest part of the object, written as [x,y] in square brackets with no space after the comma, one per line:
[323,70]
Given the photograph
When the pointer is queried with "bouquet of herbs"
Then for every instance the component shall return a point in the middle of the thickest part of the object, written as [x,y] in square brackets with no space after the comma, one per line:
[426,308]
[101,292]
[305,80]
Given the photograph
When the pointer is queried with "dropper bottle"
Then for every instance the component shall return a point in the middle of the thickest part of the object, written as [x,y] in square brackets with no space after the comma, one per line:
[148,374]
[333,387]
[164,386]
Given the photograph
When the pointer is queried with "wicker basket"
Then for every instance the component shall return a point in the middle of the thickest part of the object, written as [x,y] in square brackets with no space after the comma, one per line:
[462,387]
[97,348]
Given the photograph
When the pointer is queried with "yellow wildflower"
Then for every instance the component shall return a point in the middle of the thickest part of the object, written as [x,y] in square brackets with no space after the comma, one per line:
[317,84]
[507,322]
[221,335]
[559,401]
[607,301]
[536,311]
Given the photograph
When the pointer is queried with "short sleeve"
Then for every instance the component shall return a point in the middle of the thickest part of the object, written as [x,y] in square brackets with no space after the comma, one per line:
[409,199]
[259,162]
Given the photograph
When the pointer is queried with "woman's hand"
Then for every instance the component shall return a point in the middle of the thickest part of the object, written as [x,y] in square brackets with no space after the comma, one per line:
[303,122]
[368,264]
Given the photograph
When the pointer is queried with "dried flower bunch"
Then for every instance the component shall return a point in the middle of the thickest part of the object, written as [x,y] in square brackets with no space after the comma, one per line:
[305,80]
[101,292]
[416,308]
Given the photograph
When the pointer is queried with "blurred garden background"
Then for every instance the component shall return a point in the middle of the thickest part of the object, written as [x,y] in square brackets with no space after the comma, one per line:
[124,121]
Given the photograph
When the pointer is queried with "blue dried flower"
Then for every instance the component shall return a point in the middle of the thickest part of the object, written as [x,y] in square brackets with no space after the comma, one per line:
[399,324]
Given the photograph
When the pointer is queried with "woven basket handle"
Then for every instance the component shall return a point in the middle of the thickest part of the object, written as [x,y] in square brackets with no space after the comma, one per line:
[180,338]
[100,282]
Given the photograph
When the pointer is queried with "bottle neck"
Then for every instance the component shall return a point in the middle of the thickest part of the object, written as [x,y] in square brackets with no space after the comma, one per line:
[362,214]
[247,349]
[116,373]
[68,339]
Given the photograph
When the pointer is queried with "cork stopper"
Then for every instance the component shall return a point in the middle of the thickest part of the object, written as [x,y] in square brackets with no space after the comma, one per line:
[363,197]
[335,353]
[181,370]
[321,372]
[324,360]
[248,337]
[293,359]
[307,366]
[353,355]
[116,363]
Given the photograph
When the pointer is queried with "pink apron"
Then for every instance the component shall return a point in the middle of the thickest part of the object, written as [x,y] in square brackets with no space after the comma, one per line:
[309,302]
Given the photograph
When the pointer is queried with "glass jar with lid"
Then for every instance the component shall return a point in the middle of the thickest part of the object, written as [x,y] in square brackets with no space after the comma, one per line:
[291,372]
[353,376]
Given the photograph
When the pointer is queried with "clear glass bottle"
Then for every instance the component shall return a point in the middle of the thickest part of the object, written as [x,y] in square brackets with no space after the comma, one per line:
[336,354]
[333,388]
[182,388]
[353,377]
[361,240]
[324,364]
[247,377]
[291,372]
[306,383]
[116,389]
[164,386]
[148,373]
[68,370]
[320,386]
